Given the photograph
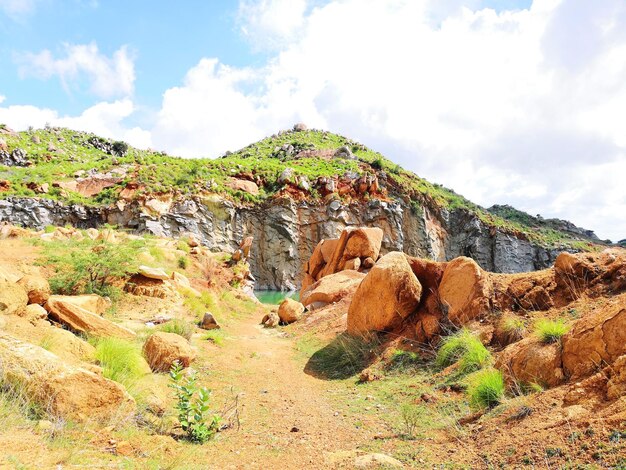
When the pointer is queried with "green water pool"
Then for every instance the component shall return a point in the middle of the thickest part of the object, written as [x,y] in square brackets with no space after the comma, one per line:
[274,297]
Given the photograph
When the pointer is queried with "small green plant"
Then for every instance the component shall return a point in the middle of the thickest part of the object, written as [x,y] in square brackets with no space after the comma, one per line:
[486,388]
[121,360]
[182,245]
[411,418]
[513,327]
[192,405]
[215,336]
[183,262]
[180,327]
[550,331]
[465,348]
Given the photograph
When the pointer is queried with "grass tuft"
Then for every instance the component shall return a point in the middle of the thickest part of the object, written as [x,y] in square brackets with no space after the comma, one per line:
[217,337]
[486,388]
[550,331]
[180,327]
[121,361]
[513,327]
[465,348]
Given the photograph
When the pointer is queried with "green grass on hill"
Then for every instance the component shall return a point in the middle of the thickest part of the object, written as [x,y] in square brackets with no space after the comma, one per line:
[58,154]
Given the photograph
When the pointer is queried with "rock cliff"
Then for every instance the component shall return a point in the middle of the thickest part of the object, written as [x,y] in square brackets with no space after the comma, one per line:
[286,231]
[287,191]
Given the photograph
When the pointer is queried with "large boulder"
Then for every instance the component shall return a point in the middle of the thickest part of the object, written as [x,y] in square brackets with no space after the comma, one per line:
[530,361]
[209,322]
[354,243]
[83,321]
[332,288]
[616,386]
[388,294]
[464,290]
[270,320]
[290,311]
[37,287]
[163,349]
[62,390]
[153,273]
[13,298]
[596,339]
[91,302]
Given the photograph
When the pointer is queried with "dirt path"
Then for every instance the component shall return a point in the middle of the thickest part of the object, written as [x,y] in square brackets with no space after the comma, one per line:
[288,418]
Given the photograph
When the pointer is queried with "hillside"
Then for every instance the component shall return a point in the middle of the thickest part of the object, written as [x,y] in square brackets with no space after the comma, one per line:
[57,155]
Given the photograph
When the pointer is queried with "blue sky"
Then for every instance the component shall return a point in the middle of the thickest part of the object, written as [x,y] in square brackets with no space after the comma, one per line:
[505,101]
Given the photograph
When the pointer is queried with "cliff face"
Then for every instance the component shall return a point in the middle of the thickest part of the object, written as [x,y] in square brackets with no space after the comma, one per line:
[286,231]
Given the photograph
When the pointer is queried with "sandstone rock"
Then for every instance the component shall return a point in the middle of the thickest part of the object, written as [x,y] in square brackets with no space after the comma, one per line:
[209,322]
[37,287]
[616,386]
[91,302]
[332,288]
[62,390]
[530,361]
[388,294]
[153,273]
[596,339]
[83,321]
[163,349]
[352,264]
[364,243]
[246,186]
[13,298]
[368,263]
[34,312]
[290,311]
[271,320]
[465,290]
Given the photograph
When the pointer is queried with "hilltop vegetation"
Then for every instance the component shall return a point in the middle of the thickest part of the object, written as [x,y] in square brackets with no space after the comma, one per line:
[294,163]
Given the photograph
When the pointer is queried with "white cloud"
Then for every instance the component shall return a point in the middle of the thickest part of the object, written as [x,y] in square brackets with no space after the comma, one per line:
[105,119]
[500,106]
[107,77]
[17,8]
[270,23]
[2,98]
[492,104]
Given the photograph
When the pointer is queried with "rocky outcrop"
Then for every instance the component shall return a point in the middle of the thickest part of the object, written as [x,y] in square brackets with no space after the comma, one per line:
[163,349]
[60,389]
[13,298]
[332,288]
[286,231]
[63,310]
[531,362]
[37,287]
[388,294]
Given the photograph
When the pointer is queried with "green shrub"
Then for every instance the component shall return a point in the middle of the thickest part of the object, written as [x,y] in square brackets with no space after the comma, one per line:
[466,349]
[192,405]
[121,360]
[550,331]
[412,416]
[183,245]
[89,266]
[180,327]
[183,262]
[486,388]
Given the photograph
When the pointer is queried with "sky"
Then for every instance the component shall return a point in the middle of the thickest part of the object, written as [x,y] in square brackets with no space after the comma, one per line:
[519,102]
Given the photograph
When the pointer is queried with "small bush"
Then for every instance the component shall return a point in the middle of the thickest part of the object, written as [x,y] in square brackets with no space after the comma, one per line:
[180,327]
[513,327]
[183,262]
[412,416]
[121,361]
[550,331]
[182,245]
[464,348]
[192,404]
[486,388]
